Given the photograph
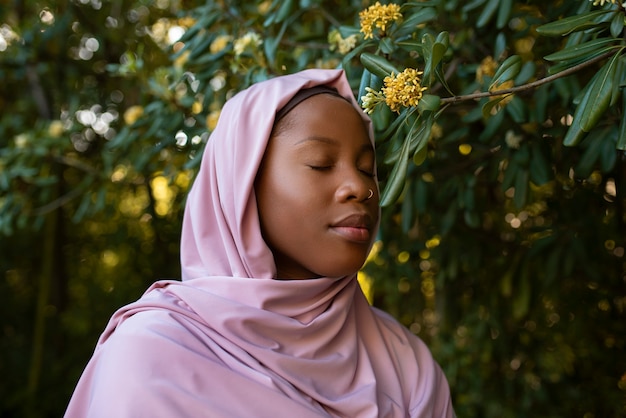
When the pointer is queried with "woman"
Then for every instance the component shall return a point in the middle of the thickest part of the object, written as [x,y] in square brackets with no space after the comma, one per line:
[269,320]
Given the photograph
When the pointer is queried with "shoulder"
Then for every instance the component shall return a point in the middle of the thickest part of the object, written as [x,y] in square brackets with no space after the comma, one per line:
[398,332]
[144,364]
[428,388]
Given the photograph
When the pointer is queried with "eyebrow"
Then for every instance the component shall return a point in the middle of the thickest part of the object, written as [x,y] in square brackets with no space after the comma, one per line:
[331,141]
[323,139]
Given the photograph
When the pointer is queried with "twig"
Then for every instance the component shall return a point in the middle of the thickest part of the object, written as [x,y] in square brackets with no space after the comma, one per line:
[528,86]
[61,201]
[72,162]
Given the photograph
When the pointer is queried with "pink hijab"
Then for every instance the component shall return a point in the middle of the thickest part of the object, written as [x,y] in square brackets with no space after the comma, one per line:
[229,340]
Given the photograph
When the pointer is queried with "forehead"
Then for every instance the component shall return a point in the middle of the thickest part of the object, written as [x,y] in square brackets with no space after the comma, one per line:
[323,114]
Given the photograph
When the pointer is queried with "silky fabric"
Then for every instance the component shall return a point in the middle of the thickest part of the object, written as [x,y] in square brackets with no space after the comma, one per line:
[232,340]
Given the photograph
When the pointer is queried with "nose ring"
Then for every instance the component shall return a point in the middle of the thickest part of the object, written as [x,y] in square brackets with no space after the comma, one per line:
[370,195]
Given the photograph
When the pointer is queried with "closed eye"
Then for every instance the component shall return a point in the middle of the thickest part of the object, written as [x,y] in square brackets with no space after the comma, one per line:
[320,167]
[368,173]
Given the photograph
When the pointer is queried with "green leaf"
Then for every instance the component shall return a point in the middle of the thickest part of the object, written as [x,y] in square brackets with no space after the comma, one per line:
[356,51]
[421,153]
[509,69]
[487,13]
[564,65]
[598,96]
[429,102]
[419,138]
[540,171]
[591,155]
[617,25]
[491,127]
[397,178]
[271,44]
[574,133]
[284,11]
[366,78]
[410,24]
[377,65]
[618,75]
[504,13]
[608,154]
[387,46]
[489,107]
[346,31]
[571,24]
[621,133]
[516,108]
[434,58]
[408,212]
[521,188]
[393,127]
[420,196]
[472,5]
[521,301]
[510,174]
[528,71]
[411,45]
[579,51]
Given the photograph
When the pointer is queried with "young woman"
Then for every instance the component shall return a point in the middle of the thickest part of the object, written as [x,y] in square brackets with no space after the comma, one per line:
[269,320]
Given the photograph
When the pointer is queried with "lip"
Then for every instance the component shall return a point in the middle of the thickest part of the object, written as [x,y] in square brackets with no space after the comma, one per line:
[355,227]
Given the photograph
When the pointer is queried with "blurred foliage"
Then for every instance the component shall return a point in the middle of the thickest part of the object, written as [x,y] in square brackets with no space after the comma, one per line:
[501,130]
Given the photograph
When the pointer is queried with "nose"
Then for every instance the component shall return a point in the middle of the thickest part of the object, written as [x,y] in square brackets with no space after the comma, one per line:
[356,186]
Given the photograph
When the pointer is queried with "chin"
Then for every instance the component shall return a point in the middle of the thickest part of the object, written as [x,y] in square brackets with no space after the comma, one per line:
[343,272]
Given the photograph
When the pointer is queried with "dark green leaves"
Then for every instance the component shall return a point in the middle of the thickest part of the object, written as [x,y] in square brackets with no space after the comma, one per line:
[571,24]
[377,65]
[594,103]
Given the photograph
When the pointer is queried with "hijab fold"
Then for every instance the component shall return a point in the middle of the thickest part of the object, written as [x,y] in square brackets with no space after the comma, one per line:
[230,340]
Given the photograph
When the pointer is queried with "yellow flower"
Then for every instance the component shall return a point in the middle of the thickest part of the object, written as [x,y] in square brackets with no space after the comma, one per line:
[506,85]
[249,41]
[371,100]
[181,60]
[487,68]
[132,114]
[436,131]
[512,140]
[601,2]
[186,22]
[343,45]
[211,119]
[21,141]
[378,16]
[403,90]
[56,128]
[264,7]
[196,107]
[220,43]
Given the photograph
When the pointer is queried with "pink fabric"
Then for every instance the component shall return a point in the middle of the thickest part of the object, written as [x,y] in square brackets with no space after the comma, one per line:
[229,340]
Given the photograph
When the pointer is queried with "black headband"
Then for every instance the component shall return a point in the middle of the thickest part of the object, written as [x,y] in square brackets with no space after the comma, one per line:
[301,96]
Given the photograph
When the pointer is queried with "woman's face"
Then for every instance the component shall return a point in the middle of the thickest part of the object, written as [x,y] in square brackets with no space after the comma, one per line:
[312,190]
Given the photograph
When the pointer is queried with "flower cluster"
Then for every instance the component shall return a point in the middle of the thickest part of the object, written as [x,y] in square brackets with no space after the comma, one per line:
[343,45]
[487,68]
[602,2]
[219,43]
[371,99]
[132,114]
[378,16]
[211,120]
[503,86]
[248,42]
[403,90]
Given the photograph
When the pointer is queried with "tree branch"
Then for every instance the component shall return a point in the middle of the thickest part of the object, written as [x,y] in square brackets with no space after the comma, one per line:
[528,86]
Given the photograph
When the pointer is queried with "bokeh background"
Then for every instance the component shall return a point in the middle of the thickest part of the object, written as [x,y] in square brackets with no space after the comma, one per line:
[503,233]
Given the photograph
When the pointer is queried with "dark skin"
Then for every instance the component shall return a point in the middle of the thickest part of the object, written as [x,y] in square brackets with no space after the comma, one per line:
[313,190]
